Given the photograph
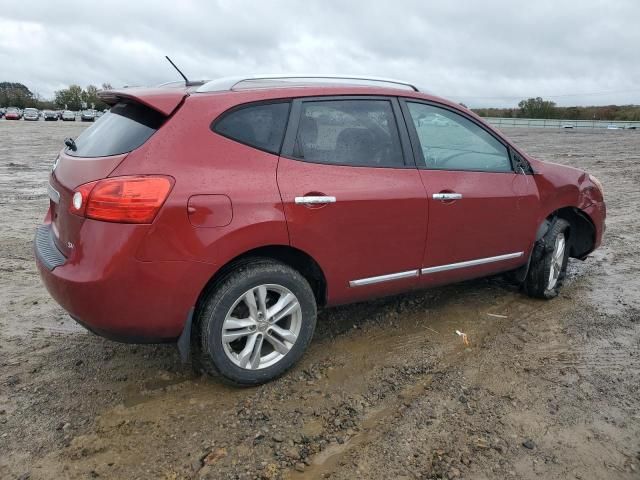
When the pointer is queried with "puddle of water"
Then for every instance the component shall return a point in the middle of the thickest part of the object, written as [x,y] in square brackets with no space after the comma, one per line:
[430,328]
[157,398]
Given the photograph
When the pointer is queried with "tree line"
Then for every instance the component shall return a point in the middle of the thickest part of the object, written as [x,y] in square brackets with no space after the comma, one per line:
[13,94]
[74,97]
[540,108]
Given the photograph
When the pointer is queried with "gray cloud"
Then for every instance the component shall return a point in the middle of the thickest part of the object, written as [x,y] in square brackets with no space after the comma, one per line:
[482,53]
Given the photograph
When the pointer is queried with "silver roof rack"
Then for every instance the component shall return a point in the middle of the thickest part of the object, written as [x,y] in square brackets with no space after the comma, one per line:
[287,80]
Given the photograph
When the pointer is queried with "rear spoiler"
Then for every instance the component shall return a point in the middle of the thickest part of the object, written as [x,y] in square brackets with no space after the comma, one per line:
[163,100]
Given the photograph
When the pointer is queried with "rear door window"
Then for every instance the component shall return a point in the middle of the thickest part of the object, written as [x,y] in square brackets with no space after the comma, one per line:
[349,132]
[258,125]
[123,129]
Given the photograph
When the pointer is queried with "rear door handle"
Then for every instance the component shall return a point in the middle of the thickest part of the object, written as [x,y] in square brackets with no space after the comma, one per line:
[447,196]
[314,200]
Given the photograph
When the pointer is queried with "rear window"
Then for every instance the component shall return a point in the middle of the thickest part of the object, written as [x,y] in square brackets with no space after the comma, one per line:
[259,125]
[123,129]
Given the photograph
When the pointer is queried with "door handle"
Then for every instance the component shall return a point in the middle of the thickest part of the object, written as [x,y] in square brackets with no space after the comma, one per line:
[447,196]
[314,200]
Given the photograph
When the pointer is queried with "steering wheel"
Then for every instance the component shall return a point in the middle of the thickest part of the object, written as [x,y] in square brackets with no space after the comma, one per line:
[446,160]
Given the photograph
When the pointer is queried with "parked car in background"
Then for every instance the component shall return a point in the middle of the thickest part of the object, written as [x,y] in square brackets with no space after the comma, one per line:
[12,113]
[68,116]
[222,216]
[50,115]
[88,115]
[31,114]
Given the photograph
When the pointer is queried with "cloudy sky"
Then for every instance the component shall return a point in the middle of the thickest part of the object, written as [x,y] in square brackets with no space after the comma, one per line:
[493,52]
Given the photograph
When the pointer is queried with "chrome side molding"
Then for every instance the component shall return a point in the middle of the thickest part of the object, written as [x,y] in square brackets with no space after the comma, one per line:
[425,271]
[383,278]
[470,263]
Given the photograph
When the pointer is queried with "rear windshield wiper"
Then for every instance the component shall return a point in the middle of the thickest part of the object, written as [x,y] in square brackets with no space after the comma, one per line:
[70,142]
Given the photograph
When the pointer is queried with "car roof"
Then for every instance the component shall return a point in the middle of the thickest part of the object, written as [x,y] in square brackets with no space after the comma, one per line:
[306,85]
[296,79]
[237,90]
[245,95]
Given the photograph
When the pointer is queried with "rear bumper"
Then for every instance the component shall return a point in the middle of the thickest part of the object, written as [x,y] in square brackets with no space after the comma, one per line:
[105,289]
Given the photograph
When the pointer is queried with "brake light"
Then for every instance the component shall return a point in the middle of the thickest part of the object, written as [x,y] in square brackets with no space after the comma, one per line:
[122,199]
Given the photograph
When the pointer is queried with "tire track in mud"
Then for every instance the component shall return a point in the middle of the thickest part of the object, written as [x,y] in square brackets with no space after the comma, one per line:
[379,422]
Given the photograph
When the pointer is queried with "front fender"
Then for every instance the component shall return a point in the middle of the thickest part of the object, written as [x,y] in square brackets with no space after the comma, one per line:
[570,193]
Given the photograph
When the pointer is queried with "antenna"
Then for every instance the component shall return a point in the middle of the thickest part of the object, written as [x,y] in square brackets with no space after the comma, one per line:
[186,80]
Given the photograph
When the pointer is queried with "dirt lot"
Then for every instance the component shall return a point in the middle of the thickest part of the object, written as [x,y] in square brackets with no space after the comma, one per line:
[545,389]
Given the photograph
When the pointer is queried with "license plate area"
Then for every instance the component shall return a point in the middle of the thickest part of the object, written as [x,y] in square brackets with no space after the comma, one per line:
[54,204]
[54,195]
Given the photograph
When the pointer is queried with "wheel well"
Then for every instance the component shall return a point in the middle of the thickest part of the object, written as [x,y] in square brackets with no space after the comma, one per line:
[582,232]
[296,259]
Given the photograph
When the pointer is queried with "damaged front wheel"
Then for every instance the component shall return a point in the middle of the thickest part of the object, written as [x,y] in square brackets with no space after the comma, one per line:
[549,263]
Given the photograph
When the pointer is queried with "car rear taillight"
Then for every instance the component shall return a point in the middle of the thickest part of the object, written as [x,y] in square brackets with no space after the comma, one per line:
[121,199]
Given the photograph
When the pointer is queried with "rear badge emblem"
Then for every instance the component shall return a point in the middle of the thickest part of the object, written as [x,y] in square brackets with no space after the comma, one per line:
[69,245]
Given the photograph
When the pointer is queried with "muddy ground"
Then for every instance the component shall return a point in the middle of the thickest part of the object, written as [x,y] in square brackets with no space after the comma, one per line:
[544,390]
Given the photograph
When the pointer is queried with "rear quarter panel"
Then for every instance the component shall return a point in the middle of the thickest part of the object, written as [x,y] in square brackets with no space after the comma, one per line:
[205,163]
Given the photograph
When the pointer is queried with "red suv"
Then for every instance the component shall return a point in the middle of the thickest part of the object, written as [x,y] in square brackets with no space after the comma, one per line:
[220,216]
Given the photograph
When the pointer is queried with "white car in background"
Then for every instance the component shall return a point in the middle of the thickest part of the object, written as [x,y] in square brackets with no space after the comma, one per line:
[68,116]
[31,114]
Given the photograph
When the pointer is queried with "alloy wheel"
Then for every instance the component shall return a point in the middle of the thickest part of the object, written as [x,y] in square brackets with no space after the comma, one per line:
[261,327]
[557,260]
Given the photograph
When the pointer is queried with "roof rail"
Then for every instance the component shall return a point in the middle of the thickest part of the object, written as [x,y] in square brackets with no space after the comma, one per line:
[266,81]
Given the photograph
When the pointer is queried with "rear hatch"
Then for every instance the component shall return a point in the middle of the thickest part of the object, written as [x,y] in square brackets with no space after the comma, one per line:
[135,115]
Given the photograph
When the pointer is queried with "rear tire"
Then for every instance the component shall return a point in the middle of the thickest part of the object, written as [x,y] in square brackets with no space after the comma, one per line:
[255,323]
[549,263]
